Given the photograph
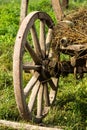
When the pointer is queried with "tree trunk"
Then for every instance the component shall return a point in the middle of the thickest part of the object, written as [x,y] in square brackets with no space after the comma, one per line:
[24,9]
[57,9]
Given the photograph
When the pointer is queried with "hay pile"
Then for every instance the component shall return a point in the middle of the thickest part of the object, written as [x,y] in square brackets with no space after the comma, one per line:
[73,30]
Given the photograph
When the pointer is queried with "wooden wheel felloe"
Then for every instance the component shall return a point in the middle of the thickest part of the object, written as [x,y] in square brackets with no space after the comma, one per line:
[35,90]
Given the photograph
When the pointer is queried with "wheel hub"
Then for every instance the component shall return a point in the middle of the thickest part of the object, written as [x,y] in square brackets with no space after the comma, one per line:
[44,70]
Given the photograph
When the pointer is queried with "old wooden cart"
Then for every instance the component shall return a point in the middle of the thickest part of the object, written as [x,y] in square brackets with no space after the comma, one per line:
[35,85]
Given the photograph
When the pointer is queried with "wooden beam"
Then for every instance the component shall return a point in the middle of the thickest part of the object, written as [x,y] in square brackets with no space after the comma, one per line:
[25,126]
[24,9]
[66,67]
[57,9]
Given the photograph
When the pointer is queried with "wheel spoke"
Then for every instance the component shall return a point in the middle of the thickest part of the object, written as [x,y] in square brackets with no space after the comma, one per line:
[39,101]
[33,96]
[52,84]
[46,95]
[35,41]
[31,83]
[48,40]
[42,37]
[52,95]
[35,58]
[27,67]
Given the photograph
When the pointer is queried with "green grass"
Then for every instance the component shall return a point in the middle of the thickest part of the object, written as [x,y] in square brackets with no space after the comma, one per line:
[9,24]
[70,107]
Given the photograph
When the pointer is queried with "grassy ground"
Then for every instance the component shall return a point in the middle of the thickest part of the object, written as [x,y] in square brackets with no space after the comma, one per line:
[70,108]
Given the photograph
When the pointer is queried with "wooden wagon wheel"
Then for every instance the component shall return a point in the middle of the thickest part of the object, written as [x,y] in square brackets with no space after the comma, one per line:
[30,61]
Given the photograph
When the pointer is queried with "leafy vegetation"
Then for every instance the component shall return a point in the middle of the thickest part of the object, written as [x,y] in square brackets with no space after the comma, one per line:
[70,108]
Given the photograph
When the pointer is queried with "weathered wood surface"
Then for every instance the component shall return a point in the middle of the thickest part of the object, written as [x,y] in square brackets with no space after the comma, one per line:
[18,126]
[57,9]
[24,9]
[38,51]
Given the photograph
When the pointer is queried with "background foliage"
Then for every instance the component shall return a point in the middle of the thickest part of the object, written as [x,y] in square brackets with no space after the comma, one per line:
[70,108]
